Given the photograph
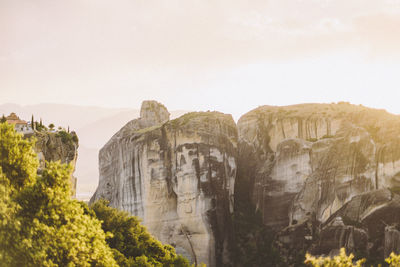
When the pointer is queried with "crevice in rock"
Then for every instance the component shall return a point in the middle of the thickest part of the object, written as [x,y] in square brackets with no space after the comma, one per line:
[190,244]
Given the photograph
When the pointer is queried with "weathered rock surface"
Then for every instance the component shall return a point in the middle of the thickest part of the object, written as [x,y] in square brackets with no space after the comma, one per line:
[336,236]
[323,176]
[392,241]
[178,176]
[54,147]
[309,164]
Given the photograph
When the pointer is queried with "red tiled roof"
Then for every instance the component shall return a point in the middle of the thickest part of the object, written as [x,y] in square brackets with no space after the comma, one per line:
[14,119]
[16,122]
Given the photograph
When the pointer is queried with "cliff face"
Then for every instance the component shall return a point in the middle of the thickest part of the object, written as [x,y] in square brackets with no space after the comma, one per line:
[178,176]
[309,165]
[323,176]
[57,147]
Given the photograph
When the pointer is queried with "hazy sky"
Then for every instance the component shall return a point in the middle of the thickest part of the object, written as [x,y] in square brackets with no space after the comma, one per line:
[227,55]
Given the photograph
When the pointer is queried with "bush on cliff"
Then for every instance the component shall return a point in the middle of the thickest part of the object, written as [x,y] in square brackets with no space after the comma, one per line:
[67,138]
[132,243]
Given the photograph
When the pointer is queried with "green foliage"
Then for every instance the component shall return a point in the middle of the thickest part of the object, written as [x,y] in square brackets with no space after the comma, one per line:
[18,161]
[67,138]
[39,224]
[342,260]
[3,119]
[57,229]
[254,243]
[9,225]
[40,127]
[312,140]
[187,117]
[132,243]
[393,260]
[51,126]
[148,129]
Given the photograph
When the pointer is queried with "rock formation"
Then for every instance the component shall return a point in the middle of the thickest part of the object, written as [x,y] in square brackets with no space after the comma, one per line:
[323,176]
[310,164]
[56,147]
[177,176]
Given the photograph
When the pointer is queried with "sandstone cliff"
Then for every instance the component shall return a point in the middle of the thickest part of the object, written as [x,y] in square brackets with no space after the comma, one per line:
[316,172]
[178,176]
[61,147]
[323,176]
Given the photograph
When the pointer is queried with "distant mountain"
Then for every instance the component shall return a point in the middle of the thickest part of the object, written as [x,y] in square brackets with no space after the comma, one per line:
[96,134]
[94,126]
[62,115]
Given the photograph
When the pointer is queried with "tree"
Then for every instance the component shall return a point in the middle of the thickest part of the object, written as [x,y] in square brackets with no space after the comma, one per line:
[58,230]
[33,123]
[40,225]
[18,160]
[51,126]
[3,119]
[133,245]
[9,224]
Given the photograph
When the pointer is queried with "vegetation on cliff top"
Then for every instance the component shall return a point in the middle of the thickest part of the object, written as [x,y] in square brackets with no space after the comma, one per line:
[187,117]
[67,138]
[40,225]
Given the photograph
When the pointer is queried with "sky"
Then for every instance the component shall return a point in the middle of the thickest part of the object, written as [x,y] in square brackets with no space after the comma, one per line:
[225,55]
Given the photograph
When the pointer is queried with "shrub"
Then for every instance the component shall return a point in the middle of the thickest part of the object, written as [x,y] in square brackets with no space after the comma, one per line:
[342,260]
[133,245]
[67,138]
[393,260]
